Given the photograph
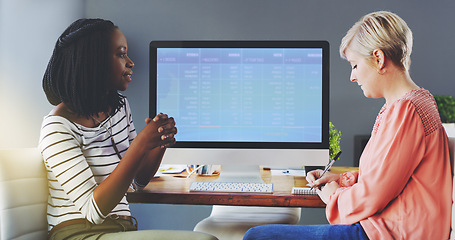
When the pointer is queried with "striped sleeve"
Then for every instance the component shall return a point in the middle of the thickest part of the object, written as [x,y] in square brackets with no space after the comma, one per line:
[132,130]
[68,170]
[131,135]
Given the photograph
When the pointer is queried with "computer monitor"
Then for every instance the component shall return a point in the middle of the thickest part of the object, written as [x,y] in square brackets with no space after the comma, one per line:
[243,103]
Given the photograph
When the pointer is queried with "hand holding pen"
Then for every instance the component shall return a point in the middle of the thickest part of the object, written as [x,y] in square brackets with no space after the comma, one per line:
[327,168]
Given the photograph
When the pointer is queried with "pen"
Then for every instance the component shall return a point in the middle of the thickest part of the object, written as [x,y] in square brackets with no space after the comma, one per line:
[329,165]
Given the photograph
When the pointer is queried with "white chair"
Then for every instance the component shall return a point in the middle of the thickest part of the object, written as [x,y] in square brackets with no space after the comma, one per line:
[231,222]
[23,195]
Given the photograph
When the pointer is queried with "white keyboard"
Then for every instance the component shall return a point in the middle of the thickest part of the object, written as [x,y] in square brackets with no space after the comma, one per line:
[239,187]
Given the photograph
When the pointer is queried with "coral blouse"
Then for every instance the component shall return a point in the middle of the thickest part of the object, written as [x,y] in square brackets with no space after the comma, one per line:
[404,186]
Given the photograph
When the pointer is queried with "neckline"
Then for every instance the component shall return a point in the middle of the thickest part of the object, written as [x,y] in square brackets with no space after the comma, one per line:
[80,126]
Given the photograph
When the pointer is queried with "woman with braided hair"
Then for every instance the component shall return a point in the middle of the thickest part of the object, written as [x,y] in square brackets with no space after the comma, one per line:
[88,141]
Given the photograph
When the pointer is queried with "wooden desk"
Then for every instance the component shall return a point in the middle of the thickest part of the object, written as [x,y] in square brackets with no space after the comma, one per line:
[173,189]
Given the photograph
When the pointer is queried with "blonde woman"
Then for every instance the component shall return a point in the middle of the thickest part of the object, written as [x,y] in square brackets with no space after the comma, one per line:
[404,186]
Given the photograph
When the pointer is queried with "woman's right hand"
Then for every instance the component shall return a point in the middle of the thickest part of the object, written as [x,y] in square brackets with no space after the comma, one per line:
[314,179]
[159,132]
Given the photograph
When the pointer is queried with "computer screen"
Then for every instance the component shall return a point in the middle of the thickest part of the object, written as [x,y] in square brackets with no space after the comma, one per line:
[243,102]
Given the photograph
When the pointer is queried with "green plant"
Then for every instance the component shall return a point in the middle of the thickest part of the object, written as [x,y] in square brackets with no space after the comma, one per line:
[334,140]
[446,107]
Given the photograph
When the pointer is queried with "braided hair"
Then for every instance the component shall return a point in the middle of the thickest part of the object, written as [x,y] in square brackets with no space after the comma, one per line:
[79,69]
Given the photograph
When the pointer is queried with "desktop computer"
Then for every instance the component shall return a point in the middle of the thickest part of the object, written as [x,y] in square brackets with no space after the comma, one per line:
[243,104]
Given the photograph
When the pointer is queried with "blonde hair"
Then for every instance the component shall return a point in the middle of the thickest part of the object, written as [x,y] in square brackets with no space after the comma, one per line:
[380,30]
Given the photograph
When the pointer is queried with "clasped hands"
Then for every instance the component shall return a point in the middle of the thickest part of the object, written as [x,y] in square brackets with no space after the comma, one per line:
[325,186]
[160,131]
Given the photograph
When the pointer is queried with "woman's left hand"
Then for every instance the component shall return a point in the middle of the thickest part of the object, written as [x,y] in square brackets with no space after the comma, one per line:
[327,191]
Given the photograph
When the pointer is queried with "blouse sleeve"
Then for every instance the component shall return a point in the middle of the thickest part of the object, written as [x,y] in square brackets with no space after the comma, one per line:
[63,155]
[386,167]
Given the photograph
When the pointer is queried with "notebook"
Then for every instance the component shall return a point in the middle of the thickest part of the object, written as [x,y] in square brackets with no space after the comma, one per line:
[303,191]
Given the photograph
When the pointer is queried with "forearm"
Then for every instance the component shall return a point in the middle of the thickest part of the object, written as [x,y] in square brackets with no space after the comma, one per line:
[152,159]
[150,164]
[140,162]
[109,193]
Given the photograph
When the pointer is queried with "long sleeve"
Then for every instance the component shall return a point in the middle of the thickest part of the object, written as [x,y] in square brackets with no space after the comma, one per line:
[129,116]
[69,170]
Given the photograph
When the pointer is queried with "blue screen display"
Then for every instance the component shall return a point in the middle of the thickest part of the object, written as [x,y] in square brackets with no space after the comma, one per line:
[242,94]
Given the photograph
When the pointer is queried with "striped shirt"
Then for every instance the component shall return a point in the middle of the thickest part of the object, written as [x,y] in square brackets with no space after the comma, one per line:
[78,159]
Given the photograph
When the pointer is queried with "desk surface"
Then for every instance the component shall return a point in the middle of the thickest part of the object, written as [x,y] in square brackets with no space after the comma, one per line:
[173,189]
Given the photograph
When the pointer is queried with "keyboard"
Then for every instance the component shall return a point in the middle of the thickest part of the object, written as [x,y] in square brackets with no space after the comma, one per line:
[237,187]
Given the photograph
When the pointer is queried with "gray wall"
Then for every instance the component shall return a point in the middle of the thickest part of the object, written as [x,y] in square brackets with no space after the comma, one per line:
[350,111]
[28,30]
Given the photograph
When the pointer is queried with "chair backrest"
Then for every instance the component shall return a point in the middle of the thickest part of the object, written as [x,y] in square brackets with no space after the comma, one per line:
[452,161]
[23,195]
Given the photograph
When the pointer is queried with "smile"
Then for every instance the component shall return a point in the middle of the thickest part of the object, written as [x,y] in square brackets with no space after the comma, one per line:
[128,76]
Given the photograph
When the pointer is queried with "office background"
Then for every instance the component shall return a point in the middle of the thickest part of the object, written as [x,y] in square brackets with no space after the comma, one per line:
[29,29]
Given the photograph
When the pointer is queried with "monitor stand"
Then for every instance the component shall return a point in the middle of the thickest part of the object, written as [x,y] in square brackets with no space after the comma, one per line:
[240,173]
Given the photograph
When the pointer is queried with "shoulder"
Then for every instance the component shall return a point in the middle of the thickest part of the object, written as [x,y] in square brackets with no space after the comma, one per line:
[64,111]
[421,98]
[59,121]
[421,105]
[56,120]
[56,129]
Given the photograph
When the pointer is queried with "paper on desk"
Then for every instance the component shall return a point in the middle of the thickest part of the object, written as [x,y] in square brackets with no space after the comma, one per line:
[171,168]
[289,172]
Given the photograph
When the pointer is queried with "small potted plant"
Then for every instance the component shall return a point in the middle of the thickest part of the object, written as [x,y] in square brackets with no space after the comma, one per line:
[334,145]
[446,108]
[334,140]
